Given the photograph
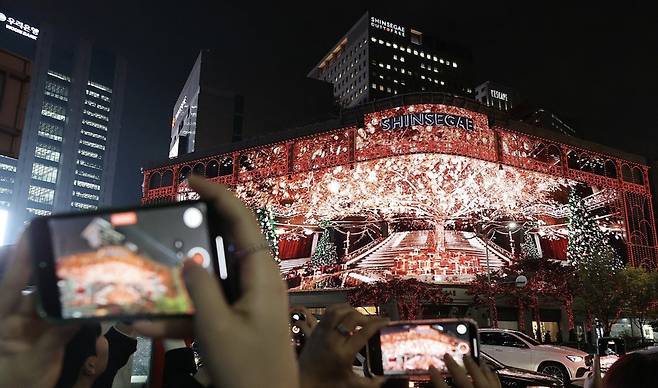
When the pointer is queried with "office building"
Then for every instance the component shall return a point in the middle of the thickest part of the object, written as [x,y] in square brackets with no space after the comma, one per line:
[14,88]
[377,58]
[223,101]
[543,118]
[73,118]
[497,96]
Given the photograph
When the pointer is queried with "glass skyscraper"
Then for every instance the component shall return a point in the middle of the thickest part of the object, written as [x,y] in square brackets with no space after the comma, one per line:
[73,118]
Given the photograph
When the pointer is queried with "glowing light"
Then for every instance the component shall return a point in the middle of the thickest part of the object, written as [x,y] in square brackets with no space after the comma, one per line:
[4,216]
[192,217]
[334,187]
[512,225]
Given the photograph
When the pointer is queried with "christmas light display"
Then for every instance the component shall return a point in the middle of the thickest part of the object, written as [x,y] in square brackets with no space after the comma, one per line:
[265,219]
[325,253]
[456,178]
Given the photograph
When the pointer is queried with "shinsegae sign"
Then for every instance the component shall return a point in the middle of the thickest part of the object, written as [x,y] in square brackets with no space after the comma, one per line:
[386,26]
[427,119]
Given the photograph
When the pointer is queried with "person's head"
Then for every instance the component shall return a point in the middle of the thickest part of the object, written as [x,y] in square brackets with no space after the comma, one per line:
[85,356]
[636,370]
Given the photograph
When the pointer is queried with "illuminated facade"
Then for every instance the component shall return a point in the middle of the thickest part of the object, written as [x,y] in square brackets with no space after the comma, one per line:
[405,185]
[378,59]
[73,117]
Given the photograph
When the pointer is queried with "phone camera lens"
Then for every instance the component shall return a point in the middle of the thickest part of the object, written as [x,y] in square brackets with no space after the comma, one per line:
[461,329]
[178,244]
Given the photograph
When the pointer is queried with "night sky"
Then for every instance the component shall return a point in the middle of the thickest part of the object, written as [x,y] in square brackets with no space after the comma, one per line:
[596,68]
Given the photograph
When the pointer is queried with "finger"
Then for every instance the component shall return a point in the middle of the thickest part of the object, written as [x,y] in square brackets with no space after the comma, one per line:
[16,277]
[492,377]
[14,347]
[459,376]
[366,382]
[242,221]
[334,315]
[54,339]
[212,318]
[597,371]
[27,305]
[437,378]
[479,380]
[369,327]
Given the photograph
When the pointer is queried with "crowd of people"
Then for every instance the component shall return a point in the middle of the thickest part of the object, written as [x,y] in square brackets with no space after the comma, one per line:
[246,344]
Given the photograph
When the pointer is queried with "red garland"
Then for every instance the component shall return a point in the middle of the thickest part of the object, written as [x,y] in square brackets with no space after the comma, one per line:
[407,293]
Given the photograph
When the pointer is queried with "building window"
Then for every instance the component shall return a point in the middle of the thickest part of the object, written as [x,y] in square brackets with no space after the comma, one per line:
[95,125]
[89,164]
[381,41]
[56,91]
[454,64]
[93,145]
[435,58]
[38,212]
[388,44]
[415,52]
[381,87]
[85,174]
[41,195]
[50,131]
[90,154]
[401,59]
[59,76]
[57,112]
[409,50]
[7,167]
[87,185]
[83,206]
[374,86]
[47,152]
[80,194]
[422,54]
[44,173]
[97,106]
[422,65]
[402,71]
[99,86]
[373,39]
[441,60]
[97,95]
[395,46]
[94,135]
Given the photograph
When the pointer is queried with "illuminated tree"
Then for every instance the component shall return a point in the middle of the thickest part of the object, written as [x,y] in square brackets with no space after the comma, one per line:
[529,247]
[325,252]
[438,188]
[266,221]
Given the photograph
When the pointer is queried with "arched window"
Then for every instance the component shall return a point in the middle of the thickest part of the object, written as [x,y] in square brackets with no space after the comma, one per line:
[212,169]
[155,180]
[626,173]
[610,169]
[184,173]
[226,167]
[167,178]
[199,169]
[638,176]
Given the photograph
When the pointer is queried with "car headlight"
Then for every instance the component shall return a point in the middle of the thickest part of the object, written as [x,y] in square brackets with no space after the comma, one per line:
[575,358]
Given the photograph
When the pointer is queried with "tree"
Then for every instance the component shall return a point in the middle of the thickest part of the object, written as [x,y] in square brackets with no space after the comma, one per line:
[325,252]
[640,294]
[597,265]
[265,219]
[529,247]
[485,288]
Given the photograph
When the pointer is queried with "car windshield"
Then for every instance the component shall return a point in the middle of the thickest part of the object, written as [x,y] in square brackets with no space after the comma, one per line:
[527,338]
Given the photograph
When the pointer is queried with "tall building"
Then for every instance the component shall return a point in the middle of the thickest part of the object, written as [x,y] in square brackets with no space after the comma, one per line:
[14,88]
[377,58]
[205,112]
[222,102]
[496,96]
[73,118]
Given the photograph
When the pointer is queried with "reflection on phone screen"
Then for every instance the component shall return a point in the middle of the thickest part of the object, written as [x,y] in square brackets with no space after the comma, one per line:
[412,349]
[129,262]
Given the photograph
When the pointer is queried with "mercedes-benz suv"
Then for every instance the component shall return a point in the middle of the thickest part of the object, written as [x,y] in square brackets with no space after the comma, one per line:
[516,349]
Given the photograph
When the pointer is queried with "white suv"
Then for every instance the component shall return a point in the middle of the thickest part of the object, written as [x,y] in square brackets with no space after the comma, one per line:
[516,349]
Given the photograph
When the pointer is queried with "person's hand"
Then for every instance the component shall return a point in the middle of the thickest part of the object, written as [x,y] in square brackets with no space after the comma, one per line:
[307,325]
[246,344]
[480,376]
[326,360]
[31,349]
[594,379]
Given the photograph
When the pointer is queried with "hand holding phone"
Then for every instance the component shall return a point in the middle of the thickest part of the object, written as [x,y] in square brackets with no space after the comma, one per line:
[128,263]
[410,348]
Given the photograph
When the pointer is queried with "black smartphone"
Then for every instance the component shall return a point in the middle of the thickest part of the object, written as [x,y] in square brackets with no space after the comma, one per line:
[409,348]
[127,263]
[298,337]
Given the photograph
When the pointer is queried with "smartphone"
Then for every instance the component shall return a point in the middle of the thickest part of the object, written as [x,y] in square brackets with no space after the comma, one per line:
[126,263]
[409,348]
[297,334]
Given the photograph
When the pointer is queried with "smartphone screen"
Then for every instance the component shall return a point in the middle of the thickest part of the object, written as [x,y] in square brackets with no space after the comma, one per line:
[410,348]
[129,263]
